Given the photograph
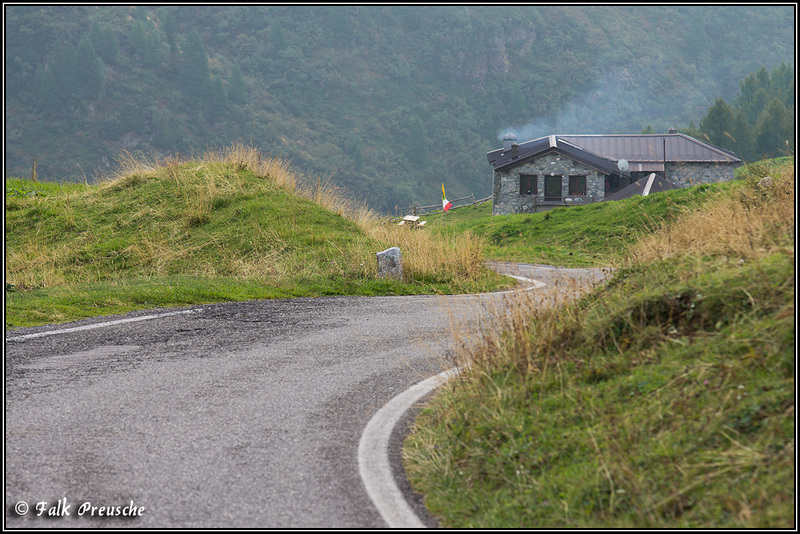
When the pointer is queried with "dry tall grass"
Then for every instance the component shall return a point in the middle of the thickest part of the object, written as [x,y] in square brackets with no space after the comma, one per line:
[652,395]
[423,254]
[506,333]
[754,222]
[206,181]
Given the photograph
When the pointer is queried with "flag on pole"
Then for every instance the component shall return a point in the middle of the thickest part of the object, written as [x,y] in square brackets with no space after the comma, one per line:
[445,203]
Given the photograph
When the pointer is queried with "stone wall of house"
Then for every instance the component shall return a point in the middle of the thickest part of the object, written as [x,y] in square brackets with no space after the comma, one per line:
[505,194]
[687,174]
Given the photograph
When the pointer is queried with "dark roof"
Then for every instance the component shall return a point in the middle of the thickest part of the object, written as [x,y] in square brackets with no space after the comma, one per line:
[653,148]
[639,187]
[644,152]
[539,147]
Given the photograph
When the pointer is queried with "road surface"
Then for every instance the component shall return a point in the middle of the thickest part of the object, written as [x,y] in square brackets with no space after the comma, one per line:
[236,415]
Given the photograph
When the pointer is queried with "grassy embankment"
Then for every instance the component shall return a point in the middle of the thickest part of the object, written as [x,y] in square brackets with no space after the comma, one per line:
[665,399]
[593,235]
[227,226]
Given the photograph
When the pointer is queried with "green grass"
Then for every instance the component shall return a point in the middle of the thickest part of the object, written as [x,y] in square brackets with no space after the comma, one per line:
[199,231]
[663,400]
[594,235]
[61,304]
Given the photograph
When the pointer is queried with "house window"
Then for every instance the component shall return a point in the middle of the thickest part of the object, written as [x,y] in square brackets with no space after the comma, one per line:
[527,184]
[552,187]
[577,185]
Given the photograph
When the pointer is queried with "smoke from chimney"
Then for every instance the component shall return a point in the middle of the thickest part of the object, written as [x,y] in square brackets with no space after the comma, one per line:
[509,140]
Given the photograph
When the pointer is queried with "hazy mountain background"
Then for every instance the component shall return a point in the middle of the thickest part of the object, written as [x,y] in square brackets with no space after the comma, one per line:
[388,101]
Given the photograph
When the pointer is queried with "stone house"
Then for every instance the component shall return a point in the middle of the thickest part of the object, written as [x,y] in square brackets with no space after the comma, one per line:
[565,170]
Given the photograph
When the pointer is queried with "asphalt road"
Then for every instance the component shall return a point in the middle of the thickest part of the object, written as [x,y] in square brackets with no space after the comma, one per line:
[236,415]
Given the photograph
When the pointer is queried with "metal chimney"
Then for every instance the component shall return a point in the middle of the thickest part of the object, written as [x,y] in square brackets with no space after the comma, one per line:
[672,130]
[509,140]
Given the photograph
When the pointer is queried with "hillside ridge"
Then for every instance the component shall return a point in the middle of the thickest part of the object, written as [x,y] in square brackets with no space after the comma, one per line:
[389,100]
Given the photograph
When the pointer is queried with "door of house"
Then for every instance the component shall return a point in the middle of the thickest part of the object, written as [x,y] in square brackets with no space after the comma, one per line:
[552,187]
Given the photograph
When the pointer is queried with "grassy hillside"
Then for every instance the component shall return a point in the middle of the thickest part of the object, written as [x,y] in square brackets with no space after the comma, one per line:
[580,236]
[392,100]
[232,225]
[664,400]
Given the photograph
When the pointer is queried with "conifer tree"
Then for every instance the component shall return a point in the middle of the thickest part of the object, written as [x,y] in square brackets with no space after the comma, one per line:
[48,92]
[782,84]
[717,125]
[353,147]
[105,43]
[277,37]
[219,100]
[339,24]
[743,134]
[417,146]
[195,75]
[64,69]
[138,38]
[238,91]
[753,95]
[774,130]
[170,30]
[151,59]
[90,78]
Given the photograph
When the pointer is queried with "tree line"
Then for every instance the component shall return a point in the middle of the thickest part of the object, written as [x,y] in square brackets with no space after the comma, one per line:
[759,123]
[390,100]
[77,74]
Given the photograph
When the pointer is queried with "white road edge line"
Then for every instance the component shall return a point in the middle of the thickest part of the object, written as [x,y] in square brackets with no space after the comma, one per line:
[373,457]
[373,448]
[535,284]
[159,315]
[96,325]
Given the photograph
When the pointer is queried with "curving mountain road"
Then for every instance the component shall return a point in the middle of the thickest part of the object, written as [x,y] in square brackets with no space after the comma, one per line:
[231,415]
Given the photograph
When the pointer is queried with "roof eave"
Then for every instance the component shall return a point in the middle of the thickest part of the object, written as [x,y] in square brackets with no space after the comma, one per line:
[576,156]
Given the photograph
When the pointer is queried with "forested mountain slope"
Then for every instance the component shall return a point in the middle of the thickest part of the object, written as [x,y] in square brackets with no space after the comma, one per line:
[390,101]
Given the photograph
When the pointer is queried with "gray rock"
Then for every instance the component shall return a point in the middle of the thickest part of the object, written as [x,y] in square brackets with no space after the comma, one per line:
[390,263]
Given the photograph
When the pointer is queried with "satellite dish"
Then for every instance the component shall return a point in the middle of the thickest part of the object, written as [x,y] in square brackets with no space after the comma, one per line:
[623,165]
